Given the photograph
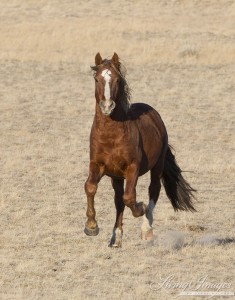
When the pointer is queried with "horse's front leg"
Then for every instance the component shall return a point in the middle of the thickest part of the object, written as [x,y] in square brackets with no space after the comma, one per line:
[95,174]
[129,197]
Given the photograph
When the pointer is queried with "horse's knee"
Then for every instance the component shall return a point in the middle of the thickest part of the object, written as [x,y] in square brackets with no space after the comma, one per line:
[90,188]
[129,199]
[138,209]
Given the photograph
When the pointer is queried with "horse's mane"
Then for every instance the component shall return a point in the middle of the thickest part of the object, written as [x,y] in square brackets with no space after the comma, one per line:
[124,87]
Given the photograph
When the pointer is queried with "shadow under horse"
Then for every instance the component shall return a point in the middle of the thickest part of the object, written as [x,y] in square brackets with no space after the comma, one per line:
[126,141]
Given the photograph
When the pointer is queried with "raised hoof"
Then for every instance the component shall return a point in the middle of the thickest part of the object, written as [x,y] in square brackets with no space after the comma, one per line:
[147,235]
[91,231]
[140,209]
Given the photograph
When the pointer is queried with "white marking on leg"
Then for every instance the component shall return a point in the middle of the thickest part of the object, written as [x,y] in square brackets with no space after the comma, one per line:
[106,74]
[148,219]
[116,240]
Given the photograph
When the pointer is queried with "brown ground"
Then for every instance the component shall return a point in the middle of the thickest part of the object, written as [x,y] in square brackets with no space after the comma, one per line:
[180,57]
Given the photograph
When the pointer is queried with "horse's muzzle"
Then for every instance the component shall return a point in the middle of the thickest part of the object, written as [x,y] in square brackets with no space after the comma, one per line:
[107,106]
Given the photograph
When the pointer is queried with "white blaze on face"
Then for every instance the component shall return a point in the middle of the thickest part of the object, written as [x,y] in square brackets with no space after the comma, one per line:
[106,74]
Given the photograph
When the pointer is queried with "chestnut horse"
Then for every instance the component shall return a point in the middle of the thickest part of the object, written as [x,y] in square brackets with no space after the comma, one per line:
[126,141]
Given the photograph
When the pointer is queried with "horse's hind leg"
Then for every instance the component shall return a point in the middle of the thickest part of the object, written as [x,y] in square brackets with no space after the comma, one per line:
[154,191]
[118,186]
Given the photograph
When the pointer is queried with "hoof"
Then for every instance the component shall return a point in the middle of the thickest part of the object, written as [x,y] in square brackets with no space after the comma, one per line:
[115,244]
[140,209]
[116,240]
[147,235]
[91,231]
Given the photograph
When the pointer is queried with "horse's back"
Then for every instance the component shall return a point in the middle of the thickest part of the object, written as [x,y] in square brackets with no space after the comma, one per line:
[153,135]
[138,109]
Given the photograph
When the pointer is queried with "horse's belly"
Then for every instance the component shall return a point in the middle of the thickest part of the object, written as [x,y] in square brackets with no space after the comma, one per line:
[150,158]
[154,142]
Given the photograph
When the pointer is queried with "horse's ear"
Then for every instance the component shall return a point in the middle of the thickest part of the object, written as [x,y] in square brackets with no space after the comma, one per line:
[98,59]
[115,60]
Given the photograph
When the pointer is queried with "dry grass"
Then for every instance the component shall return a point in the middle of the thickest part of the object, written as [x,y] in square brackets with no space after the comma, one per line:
[180,58]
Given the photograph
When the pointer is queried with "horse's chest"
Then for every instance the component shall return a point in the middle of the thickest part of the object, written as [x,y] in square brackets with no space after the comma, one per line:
[115,167]
[115,159]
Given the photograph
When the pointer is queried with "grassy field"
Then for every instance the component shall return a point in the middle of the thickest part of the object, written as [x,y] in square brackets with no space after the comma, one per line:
[180,58]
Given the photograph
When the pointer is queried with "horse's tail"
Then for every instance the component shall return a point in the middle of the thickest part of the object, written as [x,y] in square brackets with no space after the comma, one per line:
[177,188]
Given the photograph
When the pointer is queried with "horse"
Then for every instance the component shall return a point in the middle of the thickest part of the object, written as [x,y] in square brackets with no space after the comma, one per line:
[126,141]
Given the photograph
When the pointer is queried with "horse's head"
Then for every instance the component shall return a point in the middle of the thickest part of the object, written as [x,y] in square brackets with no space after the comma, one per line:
[107,82]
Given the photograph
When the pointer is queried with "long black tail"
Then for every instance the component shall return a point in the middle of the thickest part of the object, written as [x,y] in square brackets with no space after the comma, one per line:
[178,190]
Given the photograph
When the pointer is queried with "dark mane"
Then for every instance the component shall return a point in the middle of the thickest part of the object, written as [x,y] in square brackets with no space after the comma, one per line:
[124,87]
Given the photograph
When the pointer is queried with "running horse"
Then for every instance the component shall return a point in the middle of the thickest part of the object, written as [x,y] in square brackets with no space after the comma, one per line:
[126,141]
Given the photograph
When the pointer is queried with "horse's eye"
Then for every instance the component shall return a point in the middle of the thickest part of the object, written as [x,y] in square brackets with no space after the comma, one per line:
[96,80]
